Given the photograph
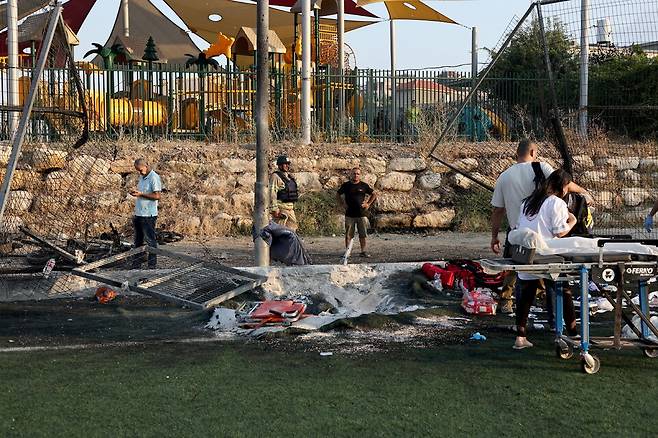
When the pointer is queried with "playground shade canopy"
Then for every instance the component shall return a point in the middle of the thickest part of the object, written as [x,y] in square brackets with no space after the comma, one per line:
[415,10]
[234,15]
[74,14]
[145,21]
[327,7]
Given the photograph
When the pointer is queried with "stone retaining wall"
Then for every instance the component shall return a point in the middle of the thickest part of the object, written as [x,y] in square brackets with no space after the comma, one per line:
[209,188]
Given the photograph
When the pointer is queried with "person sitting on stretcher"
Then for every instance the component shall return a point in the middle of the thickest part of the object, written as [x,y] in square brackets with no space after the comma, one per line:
[545,213]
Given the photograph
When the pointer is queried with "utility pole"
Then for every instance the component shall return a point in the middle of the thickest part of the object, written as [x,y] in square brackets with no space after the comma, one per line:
[584,68]
[394,109]
[341,65]
[474,77]
[261,190]
[306,72]
[12,63]
[126,19]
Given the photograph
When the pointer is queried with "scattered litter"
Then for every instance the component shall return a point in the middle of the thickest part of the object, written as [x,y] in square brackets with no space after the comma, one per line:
[628,333]
[326,353]
[653,300]
[50,265]
[11,341]
[104,294]
[538,326]
[283,312]
[222,319]
[478,337]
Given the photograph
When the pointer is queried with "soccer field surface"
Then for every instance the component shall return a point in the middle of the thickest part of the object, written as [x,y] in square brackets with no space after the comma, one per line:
[264,389]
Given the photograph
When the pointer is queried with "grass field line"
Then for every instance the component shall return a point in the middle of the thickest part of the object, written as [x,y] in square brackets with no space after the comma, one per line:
[121,344]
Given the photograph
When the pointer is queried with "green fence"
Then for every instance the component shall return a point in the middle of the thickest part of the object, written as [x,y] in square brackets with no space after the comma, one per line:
[218,105]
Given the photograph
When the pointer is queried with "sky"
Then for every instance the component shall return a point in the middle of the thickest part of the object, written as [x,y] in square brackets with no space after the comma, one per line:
[419,44]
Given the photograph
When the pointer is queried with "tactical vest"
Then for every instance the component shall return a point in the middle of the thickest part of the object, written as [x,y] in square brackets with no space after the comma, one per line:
[289,192]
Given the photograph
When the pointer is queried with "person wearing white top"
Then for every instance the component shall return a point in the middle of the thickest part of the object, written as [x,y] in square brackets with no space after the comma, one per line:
[512,187]
[545,213]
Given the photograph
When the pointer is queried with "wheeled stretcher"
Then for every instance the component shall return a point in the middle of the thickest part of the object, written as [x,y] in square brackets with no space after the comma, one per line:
[628,272]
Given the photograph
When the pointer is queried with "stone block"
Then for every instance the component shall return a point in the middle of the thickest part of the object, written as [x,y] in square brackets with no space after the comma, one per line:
[308,182]
[89,165]
[390,221]
[648,164]
[336,164]
[605,200]
[236,165]
[373,165]
[394,202]
[10,224]
[619,163]
[123,167]
[583,161]
[467,164]
[441,219]
[19,201]
[247,180]
[42,159]
[429,181]
[629,177]
[407,164]
[396,181]
[634,196]
[592,177]
[243,203]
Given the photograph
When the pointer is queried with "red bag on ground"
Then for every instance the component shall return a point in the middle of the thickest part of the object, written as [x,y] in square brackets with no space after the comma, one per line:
[447,277]
[479,276]
[478,302]
[466,277]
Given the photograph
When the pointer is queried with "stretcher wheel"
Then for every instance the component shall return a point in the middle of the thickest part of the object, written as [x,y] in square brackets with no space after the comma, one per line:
[564,352]
[650,352]
[594,368]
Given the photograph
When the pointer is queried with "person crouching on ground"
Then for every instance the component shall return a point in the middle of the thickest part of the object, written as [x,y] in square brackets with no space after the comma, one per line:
[283,194]
[147,196]
[356,197]
[545,213]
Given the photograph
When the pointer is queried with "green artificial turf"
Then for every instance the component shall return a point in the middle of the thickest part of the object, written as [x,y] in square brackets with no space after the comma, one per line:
[231,389]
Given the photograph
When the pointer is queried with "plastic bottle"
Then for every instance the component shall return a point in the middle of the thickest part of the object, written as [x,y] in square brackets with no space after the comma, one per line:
[50,265]
[437,282]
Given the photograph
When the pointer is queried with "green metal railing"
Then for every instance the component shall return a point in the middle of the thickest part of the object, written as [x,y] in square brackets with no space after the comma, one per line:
[218,105]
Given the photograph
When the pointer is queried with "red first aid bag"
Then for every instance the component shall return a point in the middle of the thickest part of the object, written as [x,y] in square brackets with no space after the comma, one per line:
[447,277]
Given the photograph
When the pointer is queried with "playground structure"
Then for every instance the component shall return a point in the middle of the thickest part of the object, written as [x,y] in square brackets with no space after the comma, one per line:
[138,96]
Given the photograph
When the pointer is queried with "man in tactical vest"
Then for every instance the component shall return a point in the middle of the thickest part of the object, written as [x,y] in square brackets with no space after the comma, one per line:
[283,194]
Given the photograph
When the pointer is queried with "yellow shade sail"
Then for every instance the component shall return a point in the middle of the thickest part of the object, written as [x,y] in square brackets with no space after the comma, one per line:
[208,18]
[410,10]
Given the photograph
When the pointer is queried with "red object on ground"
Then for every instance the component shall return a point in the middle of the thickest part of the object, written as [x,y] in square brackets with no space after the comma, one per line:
[461,274]
[447,277]
[104,294]
[280,310]
[478,303]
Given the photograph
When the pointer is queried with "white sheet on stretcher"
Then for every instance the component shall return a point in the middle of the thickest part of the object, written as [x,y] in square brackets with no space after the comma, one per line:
[574,245]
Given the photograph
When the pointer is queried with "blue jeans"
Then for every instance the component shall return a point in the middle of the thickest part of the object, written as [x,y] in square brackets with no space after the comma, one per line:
[145,234]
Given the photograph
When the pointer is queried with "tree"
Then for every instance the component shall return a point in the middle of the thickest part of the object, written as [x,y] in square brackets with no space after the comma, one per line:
[150,52]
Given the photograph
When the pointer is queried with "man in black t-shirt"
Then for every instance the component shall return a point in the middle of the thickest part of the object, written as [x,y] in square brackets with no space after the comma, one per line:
[357,197]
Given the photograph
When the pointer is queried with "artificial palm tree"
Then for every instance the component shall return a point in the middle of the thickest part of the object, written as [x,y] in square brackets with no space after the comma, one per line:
[108,54]
[202,62]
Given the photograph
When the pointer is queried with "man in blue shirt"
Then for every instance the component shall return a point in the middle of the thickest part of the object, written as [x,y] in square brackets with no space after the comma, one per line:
[147,196]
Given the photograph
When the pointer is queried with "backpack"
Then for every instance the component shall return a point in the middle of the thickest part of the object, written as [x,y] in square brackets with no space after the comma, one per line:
[577,205]
[289,192]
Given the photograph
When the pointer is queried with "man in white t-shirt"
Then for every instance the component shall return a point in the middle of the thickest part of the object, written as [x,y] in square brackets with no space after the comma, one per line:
[512,187]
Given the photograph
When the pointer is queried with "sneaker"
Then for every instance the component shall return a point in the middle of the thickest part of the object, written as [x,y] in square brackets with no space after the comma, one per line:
[506,306]
[365,255]
[522,343]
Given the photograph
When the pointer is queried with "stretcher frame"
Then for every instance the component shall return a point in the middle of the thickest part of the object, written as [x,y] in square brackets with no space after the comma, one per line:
[562,272]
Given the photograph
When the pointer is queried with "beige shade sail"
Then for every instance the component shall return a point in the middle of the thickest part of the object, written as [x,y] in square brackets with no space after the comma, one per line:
[409,10]
[25,8]
[147,21]
[415,10]
[207,18]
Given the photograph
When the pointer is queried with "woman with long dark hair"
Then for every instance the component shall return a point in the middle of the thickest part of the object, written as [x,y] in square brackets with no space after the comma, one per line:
[545,213]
